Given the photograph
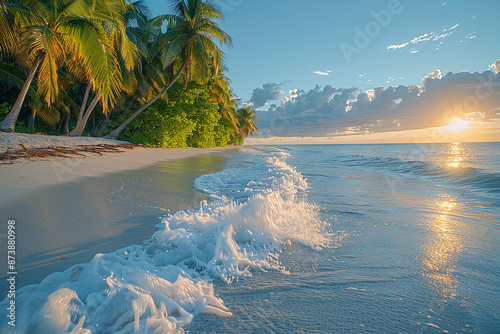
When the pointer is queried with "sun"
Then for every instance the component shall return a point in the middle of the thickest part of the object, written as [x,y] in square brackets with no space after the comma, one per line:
[457,125]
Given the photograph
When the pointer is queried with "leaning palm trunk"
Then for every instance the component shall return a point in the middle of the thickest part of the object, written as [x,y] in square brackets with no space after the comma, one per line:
[9,123]
[115,133]
[235,139]
[31,123]
[103,125]
[84,103]
[66,124]
[82,122]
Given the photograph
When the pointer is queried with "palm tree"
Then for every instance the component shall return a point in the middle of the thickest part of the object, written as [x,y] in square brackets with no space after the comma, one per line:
[246,117]
[221,93]
[52,30]
[123,58]
[144,81]
[187,46]
[8,26]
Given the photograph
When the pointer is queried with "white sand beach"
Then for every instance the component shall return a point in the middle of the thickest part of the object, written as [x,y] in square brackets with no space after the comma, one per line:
[25,175]
[69,209]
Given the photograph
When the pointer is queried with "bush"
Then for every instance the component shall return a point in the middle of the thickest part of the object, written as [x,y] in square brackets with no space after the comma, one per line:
[187,118]
[239,141]
[223,132]
[157,127]
[4,110]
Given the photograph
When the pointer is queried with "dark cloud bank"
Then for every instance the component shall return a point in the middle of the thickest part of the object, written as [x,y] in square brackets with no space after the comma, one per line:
[324,111]
[268,92]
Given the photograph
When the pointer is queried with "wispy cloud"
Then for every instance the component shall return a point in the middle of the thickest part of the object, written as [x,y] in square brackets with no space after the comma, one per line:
[398,46]
[323,73]
[471,35]
[424,38]
[451,28]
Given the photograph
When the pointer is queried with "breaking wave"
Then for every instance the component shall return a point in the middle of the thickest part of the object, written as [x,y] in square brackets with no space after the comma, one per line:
[158,287]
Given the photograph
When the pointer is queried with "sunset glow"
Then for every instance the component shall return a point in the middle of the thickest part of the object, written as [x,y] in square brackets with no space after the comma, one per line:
[457,125]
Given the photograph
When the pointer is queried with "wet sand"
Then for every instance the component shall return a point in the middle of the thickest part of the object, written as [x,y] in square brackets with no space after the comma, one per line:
[101,204]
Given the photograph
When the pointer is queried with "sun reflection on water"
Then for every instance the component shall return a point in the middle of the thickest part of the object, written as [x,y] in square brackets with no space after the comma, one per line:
[443,250]
[456,153]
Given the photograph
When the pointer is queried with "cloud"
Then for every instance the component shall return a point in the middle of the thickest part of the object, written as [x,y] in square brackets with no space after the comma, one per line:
[269,92]
[436,74]
[496,65]
[472,35]
[327,110]
[424,38]
[323,73]
[397,46]
[443,36]
[247,104]
[453,27]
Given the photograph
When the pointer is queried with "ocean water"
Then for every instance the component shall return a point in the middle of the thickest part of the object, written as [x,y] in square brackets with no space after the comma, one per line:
[302,239]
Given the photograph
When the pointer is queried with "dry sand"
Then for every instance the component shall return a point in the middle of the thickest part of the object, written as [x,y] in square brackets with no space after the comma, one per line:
[25,175]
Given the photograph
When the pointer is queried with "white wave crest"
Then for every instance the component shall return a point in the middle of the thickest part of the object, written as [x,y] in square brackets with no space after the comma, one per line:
[160,286]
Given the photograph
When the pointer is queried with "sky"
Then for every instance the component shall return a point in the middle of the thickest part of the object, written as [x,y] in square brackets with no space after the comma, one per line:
[303,65]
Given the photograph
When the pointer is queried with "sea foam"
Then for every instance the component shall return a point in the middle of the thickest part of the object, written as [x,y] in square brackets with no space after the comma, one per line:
[158,287]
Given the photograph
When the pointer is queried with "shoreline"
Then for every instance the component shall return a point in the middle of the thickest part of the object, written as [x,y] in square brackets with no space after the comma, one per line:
[102,204]
[69,209]
[24,175]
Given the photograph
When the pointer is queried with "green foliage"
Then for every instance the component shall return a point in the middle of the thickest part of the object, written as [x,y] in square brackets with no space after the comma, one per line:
[65,44]
[239,141]
[159,126]
[4,110]
[223,132]
[205,115]
[188,118]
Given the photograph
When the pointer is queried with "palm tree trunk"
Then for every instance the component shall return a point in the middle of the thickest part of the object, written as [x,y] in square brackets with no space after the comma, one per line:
[235,138]
[187,74]
[80,126]
[116,132]
[103,125]
[84,103]
[9,122]
[66,123]
[32,119]
[61,122]
[133,99]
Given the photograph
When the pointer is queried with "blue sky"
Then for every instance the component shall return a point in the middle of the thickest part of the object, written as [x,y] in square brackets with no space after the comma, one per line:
[285,42]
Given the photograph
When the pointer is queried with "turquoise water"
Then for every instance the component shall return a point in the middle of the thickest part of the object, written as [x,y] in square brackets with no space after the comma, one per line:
[303,239]
[419,250]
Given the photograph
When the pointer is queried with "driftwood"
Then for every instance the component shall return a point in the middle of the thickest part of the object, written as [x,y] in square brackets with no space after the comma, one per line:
[10,154]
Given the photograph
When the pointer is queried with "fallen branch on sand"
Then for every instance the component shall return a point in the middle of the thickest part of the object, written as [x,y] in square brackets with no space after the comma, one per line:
[10,155]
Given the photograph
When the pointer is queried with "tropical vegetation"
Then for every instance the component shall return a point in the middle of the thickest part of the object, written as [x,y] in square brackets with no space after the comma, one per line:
[107,68]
